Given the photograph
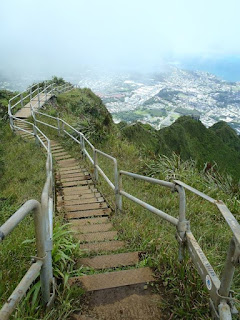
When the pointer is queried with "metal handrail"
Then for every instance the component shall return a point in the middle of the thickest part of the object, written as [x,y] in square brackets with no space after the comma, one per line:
[43,219]
[219,291]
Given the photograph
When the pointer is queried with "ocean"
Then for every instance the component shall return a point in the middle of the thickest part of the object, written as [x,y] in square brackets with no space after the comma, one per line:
[227,68]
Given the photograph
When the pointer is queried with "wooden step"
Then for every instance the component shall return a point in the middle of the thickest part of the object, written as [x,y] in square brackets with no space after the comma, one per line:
[71,175]
[77,171]
[114,279]
[67,163]
[63,157]
[82,201]
[70,169]
[104,246]
[82,196]
[89,222]
[77,177]
[60,153]
[96,236]
[110,261]
[77,183]
[90,206]
[100,227]
[78,190]
[88,213]
[57,148]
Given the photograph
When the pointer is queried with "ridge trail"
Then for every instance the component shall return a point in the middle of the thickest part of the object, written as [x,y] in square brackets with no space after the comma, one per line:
[120,289]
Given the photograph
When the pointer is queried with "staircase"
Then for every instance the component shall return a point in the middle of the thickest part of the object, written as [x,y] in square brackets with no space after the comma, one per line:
[118,288]
[124,294]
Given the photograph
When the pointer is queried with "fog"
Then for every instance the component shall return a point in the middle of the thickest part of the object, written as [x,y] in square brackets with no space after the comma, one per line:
[64,37]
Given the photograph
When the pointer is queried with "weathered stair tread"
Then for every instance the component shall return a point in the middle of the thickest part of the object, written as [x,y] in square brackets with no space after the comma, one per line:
[103,246]
[114,279]
[79,190]
[61,153]
[77,183]
[82,201]
[77,197]
[110,261]
[88,213]
[57,149]
[90,206]
[75,177]
[67,162]
[62,157]
[89,221]
[72,170]
[100,227]
[96,236]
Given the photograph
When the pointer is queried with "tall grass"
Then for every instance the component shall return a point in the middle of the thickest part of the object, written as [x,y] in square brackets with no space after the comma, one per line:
[22,177]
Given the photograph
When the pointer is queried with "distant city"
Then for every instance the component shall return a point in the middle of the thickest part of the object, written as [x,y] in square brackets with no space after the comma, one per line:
[157,98]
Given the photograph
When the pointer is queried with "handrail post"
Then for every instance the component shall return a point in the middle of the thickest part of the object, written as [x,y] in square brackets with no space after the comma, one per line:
[30,93]
[183,225]
[232,261]
[95,163]
[47,272]
[83,147]
[59,127]
[81,142]
[10,116]
[35,135]
[21,100]
[45,91]
[117,195]
[120,196]
[38,96]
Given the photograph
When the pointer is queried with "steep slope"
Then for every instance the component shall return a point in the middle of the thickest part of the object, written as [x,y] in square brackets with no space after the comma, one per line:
[142,135]
[227,134]
[186,137]
[189,138]
[145,231]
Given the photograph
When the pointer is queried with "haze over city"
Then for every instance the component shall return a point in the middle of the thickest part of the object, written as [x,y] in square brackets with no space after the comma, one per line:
[59,37]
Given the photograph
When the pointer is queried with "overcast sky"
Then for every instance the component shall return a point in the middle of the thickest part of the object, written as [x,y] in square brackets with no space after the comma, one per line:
[66,34]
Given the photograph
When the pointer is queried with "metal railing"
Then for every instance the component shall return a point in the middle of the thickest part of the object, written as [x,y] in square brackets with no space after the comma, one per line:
[43,212]
[221,300]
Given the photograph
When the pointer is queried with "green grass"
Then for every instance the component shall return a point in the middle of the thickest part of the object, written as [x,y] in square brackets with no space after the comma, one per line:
[22,177]
[184,294]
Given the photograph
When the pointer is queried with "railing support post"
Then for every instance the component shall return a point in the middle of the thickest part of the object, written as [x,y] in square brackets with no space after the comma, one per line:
[183,225]
[81,142]
[45,91]
[10,116]
[95,163]
[83,148]
[38,96]
[59,127]
[119,195]
[232,261]
[30,93]
[35,135]
[47,272]
[21,100]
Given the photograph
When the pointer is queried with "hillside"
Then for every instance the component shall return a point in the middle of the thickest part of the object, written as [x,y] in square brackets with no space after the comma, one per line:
[190,139]
[142,230]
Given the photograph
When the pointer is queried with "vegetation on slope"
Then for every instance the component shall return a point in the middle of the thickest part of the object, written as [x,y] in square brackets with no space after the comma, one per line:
[22,177]
[190,139]
[143,231]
